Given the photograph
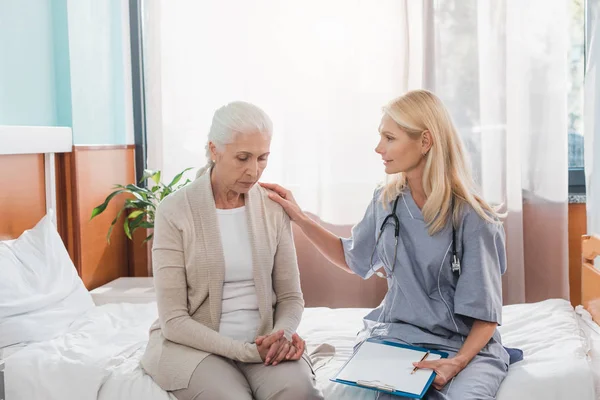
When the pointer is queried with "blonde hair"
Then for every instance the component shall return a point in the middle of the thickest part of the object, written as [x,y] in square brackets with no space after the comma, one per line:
[447,177]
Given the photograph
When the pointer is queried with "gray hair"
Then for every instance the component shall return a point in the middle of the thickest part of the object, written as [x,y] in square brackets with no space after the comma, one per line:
[235,118]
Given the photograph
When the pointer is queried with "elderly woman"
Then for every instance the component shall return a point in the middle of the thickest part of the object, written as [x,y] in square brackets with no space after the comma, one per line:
[226,277]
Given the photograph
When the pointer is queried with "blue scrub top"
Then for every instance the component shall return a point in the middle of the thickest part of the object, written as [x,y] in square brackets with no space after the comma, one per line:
[427,304]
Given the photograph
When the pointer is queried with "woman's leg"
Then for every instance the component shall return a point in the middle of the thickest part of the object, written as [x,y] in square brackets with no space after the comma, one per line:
[480,380]
[290,380]
[216,378]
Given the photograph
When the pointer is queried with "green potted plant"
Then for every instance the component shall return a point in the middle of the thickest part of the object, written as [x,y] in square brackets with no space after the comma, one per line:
[141,206]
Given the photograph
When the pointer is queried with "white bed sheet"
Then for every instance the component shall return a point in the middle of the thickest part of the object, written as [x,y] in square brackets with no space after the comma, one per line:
[592,332]
[10,350]
[555,364]
[99,356]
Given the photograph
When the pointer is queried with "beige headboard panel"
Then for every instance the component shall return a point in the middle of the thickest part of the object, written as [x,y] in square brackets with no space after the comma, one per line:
[28,178]
[325,285]
[590,276]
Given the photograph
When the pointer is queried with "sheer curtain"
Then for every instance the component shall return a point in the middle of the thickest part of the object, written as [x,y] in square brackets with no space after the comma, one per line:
[321,69]
[500,66]
[592,125]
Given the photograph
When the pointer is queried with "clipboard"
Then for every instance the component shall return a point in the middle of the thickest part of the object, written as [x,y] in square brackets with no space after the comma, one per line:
[386,367]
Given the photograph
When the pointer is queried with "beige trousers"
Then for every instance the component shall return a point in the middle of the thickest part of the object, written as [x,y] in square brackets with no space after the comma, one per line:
[218,378]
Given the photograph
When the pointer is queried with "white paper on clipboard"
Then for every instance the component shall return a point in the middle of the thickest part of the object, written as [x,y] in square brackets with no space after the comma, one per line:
[389,366]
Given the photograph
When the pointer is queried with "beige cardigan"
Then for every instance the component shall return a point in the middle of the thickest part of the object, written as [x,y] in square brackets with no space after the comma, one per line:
[189,271]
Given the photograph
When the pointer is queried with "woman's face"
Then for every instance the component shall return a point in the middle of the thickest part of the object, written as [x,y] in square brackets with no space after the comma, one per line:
[240,164]
[400,153]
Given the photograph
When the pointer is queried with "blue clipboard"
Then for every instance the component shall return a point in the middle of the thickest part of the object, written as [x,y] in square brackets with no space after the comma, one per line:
[385,388]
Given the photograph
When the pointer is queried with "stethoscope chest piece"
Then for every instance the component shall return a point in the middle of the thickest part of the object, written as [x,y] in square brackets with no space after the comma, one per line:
[455,264]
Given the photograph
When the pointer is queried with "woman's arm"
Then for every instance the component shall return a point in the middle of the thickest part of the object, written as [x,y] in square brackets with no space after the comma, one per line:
[177,325]
[171,296]
[286,283]
[448,368]
[326,242]
[479,336]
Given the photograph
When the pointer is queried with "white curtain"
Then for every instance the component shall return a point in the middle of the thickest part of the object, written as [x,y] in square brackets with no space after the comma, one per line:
[321,69]
[592,125]
[501,67]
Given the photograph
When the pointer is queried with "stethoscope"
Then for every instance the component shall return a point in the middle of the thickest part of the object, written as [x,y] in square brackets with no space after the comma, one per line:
[455,265]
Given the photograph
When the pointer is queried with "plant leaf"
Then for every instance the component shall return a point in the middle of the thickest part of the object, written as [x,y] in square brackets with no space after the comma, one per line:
[139,196]
[135,223]
[183,184]
[140,203]
[112,224]
[148,173]
[148,238]
[178,177]
[126,228]
[156,177]
[100,209]
[167,191]
[140,193]
[135,214]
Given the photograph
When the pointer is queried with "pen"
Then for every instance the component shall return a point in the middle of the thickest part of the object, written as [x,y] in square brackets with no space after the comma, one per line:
[422,359]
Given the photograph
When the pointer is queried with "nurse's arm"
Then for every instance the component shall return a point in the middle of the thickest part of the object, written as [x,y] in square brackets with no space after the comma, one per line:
[448,368]
[326,242]
[478,337]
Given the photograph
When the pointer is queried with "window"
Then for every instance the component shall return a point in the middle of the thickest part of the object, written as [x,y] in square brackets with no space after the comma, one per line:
[576,60]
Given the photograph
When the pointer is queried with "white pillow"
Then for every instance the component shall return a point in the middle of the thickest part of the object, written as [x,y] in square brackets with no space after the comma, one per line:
[40,291]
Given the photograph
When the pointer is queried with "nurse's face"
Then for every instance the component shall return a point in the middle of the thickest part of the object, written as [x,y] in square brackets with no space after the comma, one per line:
[400,152]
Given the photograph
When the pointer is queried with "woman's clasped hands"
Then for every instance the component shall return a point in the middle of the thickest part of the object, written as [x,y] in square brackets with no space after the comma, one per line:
[275,348]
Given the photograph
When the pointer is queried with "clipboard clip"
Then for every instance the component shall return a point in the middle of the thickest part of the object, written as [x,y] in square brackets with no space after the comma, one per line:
[376,385]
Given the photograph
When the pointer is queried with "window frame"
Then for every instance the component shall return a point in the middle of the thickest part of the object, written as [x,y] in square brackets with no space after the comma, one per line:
[576,181]
[138,89]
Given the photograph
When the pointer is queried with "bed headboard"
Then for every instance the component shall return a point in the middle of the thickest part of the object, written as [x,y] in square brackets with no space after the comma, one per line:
[324,285]
[590,276]
[28,179]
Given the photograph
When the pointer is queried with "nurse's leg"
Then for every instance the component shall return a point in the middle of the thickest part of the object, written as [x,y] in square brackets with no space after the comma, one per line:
[480,380]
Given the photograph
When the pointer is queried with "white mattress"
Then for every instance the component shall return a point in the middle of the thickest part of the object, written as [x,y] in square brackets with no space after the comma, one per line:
[99,356]
[555,364]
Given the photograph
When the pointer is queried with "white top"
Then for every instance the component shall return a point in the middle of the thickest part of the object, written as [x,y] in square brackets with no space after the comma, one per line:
[240,318]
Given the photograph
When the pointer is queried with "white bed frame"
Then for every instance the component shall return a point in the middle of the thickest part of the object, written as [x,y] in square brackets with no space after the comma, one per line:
[46,140]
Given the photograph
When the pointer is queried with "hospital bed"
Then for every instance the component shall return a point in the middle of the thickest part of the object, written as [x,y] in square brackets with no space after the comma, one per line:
[96,356]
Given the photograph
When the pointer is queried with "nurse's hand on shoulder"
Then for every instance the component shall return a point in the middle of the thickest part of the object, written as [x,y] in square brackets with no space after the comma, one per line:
[285,198]
[280,350]
[445,369]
